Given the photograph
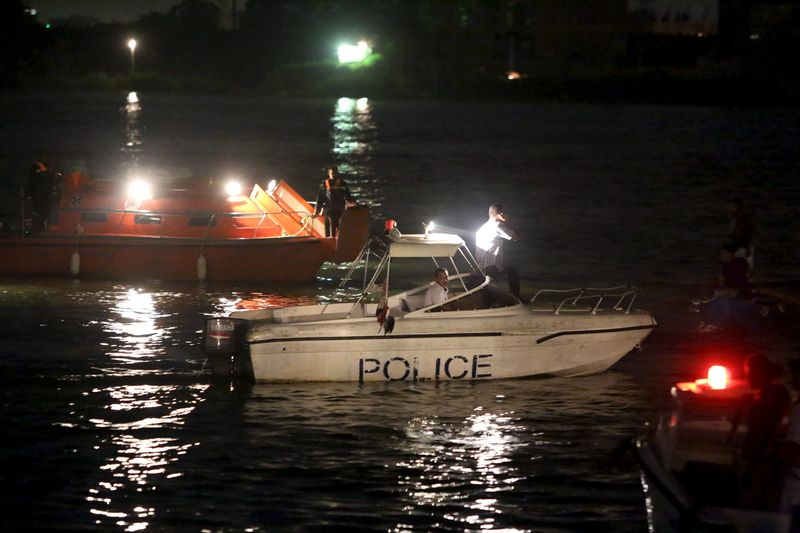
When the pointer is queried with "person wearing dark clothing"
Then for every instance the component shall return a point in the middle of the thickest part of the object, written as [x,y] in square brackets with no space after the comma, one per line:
[43,189]
[740,231]
[732,303]
[763,412]
[332,199]
[734,272]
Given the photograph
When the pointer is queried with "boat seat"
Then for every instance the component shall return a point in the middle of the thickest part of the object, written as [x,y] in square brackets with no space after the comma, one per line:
[412,302]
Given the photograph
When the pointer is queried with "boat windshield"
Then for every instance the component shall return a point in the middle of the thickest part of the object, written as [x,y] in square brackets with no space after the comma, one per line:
[490,296]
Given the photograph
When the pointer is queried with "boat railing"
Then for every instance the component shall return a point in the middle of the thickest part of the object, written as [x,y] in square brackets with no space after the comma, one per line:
[212,218]
[618,298]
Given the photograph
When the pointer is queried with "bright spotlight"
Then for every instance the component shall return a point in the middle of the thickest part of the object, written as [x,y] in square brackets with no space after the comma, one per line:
[271,186]
[133,98]
[233,188]
[139,190]
[349,53]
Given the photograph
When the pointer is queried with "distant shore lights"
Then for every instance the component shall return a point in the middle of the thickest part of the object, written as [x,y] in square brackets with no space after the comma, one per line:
[349,53]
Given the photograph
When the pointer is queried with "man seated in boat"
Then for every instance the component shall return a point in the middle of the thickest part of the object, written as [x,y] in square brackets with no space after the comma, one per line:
[437,293]
[733,293]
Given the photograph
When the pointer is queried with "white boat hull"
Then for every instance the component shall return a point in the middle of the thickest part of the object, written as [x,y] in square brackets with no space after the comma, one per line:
[476,332]
[445,349]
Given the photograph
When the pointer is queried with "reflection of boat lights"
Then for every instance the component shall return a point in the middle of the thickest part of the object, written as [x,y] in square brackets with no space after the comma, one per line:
[139,190]
[233,188]
[485,443]
[271,186]
[344,104]
[135,459]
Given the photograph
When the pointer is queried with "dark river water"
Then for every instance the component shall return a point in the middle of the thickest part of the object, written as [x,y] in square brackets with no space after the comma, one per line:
[109,421]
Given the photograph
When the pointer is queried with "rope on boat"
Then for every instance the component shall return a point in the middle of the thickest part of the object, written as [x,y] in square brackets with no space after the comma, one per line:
[304,226]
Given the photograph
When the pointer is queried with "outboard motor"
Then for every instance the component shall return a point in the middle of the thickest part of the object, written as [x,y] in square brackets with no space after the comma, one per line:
[225,345]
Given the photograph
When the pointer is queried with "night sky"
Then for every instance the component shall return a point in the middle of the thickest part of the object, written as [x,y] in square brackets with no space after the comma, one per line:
[103,10]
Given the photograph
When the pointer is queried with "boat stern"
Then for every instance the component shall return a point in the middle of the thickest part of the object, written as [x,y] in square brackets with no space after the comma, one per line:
[225,345]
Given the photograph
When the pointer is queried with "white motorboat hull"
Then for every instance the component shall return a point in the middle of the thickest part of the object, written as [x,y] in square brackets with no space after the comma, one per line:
[477,332]
[427,349]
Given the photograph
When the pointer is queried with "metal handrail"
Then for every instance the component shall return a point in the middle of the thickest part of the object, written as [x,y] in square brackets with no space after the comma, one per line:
[595,294]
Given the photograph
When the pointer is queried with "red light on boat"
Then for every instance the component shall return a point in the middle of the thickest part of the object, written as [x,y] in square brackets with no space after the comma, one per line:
[718,377]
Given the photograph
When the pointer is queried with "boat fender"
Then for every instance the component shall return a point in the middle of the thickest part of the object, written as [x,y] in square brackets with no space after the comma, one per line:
[75,263]
[202,267]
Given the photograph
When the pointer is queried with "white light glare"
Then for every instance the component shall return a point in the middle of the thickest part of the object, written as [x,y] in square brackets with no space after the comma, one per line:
[354,54]
[132,44]
[233,188]
[139,190]
[133,98]
[271,186]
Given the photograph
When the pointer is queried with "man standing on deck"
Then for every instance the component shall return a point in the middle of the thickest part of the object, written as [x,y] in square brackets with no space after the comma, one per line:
[489,248]
[43,189]
[332,199]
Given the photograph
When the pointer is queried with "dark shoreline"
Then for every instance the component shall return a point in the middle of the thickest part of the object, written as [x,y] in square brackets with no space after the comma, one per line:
[650,88]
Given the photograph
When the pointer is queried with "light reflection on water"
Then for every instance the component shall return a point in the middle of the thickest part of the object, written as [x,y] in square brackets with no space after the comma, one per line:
[134,326]
[354,137]
[132,131]
[455,461]
[136,462]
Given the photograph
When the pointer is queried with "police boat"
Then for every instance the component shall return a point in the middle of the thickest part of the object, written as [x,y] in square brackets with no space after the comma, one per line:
[690,467]
[386,333]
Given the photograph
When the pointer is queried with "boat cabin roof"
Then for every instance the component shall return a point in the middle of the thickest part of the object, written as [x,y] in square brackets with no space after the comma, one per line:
[430,245]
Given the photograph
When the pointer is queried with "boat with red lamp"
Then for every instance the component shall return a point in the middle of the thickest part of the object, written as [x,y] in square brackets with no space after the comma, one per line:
[176,227]
[689,461]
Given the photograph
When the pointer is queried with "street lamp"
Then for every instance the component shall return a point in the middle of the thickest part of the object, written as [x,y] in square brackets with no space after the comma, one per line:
[132,46]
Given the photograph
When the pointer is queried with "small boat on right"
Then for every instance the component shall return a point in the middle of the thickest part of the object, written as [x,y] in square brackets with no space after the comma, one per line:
[690,467]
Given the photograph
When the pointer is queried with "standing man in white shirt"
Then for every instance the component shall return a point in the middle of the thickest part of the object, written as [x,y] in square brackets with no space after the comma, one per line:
[437,293]
[489,248]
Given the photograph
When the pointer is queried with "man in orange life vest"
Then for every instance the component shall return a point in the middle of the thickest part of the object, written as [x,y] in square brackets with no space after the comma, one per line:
[332,199]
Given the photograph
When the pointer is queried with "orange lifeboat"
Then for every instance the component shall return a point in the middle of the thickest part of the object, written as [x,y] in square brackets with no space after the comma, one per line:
[180,229]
